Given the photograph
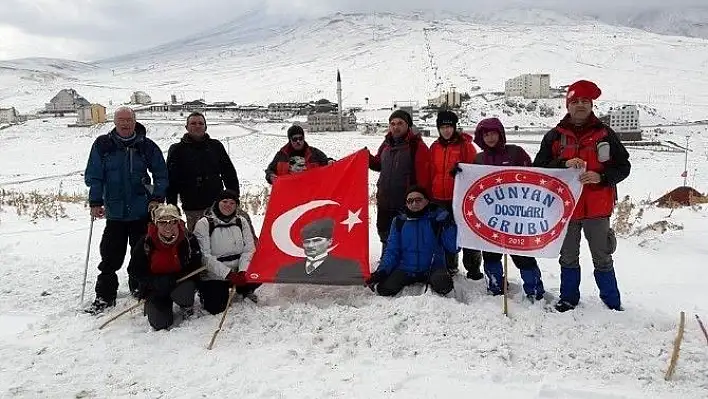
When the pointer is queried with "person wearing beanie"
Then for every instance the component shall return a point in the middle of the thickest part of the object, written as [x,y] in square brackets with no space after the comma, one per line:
[164,255]
[402,160]
[451,148]
[491,138]
[198,168]
[295,157]
[419,238]
[227,245]
[582,141]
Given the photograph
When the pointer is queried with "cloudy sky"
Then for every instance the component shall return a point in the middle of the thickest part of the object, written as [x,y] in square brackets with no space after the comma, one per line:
[92,29]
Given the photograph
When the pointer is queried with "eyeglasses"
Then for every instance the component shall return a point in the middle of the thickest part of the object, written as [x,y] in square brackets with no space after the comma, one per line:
[298,139]
[170,222]
[414,200]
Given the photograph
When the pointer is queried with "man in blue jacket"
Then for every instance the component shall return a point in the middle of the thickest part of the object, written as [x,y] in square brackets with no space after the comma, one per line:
[416,246]
[120,190]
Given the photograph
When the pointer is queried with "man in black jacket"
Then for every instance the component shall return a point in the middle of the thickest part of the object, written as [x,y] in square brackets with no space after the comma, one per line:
[199,169]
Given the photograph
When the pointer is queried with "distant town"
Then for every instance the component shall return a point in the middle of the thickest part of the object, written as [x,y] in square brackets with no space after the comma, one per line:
[319,115]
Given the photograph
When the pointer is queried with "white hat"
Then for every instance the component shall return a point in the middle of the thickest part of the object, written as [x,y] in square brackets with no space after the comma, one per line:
[165,212]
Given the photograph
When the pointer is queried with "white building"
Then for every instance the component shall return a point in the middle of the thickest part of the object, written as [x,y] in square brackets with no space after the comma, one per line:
[329,122]
[624,118]
[452,99]
[529,86]
[8,115]
[140,97]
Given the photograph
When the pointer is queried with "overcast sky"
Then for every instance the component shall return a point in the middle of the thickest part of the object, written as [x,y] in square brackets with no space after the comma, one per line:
[92,29]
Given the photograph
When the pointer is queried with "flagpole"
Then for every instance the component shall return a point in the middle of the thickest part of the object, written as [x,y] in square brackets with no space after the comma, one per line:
[505,284]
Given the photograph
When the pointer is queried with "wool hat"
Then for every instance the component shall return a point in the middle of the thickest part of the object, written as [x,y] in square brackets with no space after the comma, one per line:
[228,194]
[446,118]
[318,228]
[165,212]
[582,89]
[417,189]
[401,114]
[295,130]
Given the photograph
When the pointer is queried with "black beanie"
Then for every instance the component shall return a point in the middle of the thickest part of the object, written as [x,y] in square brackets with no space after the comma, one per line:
[447,118]
[295,130]
[228,194]
[401,114]
[417,189]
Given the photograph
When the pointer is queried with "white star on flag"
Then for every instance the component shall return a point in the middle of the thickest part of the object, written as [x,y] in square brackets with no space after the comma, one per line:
[478,225]
[352,220]
[471,197]
[553,232]
[560,189]
[481,186]
[495,235]
[470,213]
[538,240]
[567,203]
[499,180]
[543,182]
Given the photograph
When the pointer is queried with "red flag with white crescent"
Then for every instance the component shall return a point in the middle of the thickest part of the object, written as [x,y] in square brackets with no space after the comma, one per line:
[316,227]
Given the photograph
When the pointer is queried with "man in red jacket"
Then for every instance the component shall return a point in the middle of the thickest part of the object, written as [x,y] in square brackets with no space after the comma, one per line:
[403,160]
[582,141]
[450,149]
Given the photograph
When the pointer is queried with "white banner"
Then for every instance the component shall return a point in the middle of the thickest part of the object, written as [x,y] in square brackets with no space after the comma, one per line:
[514,210]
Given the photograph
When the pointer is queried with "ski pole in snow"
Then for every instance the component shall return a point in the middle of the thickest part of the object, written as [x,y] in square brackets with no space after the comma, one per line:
[677,347]
[703,328]
[505,286]
[88,254]
[223,317]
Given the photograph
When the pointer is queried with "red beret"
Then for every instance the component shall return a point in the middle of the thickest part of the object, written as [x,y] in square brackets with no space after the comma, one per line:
[582,89]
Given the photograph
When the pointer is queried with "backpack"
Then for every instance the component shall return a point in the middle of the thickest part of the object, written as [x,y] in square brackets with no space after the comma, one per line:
[106,146]
[213,226]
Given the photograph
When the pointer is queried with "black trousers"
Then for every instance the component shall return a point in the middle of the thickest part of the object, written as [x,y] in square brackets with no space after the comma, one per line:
[158,307]
[384,218]
[521,262]
[214,294]
[471,259]
[116,237]
[440,282]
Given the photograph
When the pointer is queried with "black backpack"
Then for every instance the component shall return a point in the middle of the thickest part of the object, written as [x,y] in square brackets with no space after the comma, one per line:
[213,226]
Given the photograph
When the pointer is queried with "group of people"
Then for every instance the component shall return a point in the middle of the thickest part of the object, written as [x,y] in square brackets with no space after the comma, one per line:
[413,199]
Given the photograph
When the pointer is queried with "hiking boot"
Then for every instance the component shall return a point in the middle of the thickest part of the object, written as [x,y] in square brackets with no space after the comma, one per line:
[564,306]
[475,275]
[99,306]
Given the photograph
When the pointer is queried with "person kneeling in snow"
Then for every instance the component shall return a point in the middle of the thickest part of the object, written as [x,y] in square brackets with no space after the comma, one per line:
[491,138]
[415,251]
[227,245]
[164,255]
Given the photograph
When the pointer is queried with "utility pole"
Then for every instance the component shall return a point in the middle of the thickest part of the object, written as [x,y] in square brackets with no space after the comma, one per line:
[685,163]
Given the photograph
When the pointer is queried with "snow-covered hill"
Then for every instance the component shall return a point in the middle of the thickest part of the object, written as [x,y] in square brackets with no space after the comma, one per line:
[387,58]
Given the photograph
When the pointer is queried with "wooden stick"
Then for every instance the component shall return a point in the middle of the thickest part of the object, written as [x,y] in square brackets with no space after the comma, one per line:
[504,287]
[703,328]
[223,317]
[143,301]
[677,347]
[140,302]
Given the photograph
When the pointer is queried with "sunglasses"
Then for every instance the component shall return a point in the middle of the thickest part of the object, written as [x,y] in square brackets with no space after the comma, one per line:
[414,200]
[298,139]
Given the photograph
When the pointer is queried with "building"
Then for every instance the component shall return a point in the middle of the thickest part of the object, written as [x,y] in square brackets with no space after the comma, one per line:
[9,115]
[91,115]
[529,86]
[196,105]
[451,99]
[67,100]
[140,97]
[625,122]
[411,107]
[280,111]
[329,122]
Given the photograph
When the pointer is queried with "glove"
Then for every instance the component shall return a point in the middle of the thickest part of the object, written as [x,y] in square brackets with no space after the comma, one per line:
[455,170]
[237,279]
[375,278]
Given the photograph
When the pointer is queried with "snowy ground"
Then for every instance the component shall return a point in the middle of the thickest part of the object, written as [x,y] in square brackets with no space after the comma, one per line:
[302,341]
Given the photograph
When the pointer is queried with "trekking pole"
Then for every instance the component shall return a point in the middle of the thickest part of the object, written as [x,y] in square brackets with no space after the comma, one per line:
[88,254]
[505,287]
[140,302]
[223,317]
[703,328]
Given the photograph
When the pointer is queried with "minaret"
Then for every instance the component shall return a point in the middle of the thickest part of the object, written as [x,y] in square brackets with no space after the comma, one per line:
[339,101]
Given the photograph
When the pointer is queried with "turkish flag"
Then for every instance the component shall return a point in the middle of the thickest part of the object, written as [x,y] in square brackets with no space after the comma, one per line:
[316,227]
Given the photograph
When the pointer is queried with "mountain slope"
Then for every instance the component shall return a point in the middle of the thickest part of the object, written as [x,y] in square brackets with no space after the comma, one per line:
[391,57]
